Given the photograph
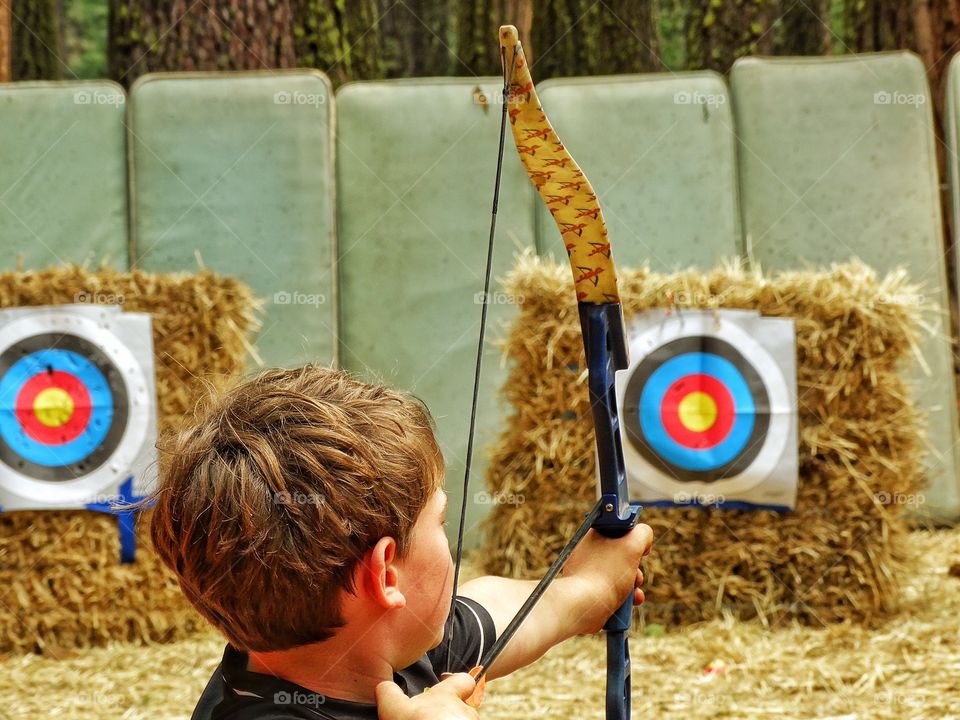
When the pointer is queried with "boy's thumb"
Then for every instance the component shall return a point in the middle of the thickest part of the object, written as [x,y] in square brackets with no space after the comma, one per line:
[389,697]
[460,683]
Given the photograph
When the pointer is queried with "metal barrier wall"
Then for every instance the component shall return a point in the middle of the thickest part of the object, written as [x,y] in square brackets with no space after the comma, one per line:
[238,169]
[374,260]
[63,173]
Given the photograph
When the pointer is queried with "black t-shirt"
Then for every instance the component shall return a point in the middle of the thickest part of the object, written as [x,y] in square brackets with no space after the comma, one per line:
[235,693]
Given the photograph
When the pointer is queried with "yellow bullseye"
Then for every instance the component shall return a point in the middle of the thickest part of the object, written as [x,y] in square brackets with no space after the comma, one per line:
[698,411]
[53,407]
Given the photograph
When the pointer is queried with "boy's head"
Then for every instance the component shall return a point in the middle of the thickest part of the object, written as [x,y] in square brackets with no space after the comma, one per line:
[268,502]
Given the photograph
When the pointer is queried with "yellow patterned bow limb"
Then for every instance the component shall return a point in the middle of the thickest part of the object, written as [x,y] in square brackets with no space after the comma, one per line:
[559,180]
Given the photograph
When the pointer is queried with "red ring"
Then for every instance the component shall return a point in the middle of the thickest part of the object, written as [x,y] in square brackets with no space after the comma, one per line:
[27,416]
[670,411]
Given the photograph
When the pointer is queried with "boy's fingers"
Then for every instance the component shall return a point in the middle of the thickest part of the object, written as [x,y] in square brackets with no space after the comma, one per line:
[460,683]
[390,698]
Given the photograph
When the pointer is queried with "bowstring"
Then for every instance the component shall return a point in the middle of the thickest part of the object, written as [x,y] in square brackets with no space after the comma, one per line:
[507,84]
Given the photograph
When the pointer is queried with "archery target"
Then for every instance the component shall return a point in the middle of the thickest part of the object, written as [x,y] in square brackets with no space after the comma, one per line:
[77,411]
[707,408]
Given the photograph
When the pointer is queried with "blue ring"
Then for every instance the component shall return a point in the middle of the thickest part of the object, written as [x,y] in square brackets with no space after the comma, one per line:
[651,403]
[101,399]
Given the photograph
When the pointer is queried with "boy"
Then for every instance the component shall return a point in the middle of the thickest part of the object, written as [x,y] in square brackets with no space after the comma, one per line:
[304,514]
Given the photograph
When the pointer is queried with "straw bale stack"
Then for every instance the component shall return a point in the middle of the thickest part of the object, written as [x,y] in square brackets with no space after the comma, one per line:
[838,556]
[61,581]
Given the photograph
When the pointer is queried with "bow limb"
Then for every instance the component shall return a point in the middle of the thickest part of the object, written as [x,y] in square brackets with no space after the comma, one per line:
[575,208]
[561,183]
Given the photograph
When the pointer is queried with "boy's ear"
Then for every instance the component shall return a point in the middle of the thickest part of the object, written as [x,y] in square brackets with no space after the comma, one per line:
[381,575]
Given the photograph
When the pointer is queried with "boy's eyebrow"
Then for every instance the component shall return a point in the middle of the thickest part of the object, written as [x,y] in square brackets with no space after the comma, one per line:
[446,502]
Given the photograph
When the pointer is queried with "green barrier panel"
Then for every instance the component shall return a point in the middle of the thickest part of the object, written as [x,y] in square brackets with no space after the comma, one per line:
[415,172]
[238,167]
[63,174]
[951,123]
[837,160]
[659,151]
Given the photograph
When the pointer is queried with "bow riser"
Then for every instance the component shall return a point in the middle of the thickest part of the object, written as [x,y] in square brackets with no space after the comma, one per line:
[606,352]
[605,348]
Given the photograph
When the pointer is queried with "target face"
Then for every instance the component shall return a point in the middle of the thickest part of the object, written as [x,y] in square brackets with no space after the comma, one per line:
[64,407]
[699,410]
[702,406]
[76,407]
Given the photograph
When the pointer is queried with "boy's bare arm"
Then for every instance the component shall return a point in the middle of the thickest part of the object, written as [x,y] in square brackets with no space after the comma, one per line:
[597,577]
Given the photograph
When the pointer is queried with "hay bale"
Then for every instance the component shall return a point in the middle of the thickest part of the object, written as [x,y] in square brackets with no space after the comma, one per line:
[62,582]
[837,556]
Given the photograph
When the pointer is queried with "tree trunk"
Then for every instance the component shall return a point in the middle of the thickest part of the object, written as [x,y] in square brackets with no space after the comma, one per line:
[477,23]
[152,35]
[804,28]
[417,38]
[6,37]
[720,31]
[560,37]
[149,35]
[873,25]
[342,37]
[671,30]
[35,46]
[585,37]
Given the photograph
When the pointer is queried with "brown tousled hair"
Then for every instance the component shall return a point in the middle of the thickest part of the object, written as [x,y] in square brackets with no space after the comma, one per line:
[267,503]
